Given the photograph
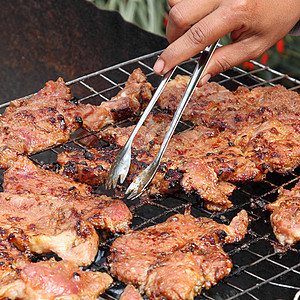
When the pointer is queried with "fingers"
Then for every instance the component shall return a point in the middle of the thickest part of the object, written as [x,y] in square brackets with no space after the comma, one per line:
[232,55]
[200,35]
[185,14]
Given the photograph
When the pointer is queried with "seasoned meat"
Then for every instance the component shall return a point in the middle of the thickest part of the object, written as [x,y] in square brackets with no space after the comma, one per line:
[101,211]
[11,262]
[54,280]
[214,106]
[42,224]
[48,118]
[285,217]
[177,258]
[29,125]
[273,145]
[197,160]
[150,134]
[130,293]
[129,102]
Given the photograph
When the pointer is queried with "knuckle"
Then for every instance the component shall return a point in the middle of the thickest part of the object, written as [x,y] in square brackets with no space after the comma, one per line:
[197,34]
[222,64]
[177,18]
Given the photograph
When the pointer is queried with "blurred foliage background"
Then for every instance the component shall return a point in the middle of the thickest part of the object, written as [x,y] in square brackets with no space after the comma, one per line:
[152,15]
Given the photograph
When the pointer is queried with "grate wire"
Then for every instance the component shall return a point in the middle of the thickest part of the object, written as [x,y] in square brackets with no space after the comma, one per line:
[259,251]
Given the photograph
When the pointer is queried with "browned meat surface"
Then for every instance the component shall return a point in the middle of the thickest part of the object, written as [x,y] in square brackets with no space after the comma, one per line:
[11,262]
[214,106]
[149,135]
[42,224]
[285,217]
[130,293]
[197,160]
[48,118]
[101,211]
[29,125]
[264,122]
[242,135]
[54,280]
[129,102]
[177,258]
[273,145]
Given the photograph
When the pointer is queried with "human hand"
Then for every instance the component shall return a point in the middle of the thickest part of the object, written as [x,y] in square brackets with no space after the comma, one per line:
[254,25]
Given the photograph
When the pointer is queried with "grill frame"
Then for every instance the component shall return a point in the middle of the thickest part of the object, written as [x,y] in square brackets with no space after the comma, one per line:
[260,269]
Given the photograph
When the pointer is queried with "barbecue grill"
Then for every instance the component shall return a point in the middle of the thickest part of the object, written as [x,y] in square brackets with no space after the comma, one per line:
[262,268]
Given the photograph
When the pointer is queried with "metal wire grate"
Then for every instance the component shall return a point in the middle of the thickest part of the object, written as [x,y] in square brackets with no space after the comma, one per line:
[260,269]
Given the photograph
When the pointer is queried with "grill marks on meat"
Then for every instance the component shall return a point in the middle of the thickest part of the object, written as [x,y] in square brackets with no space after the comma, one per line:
[177,258]
[215,106]
[99,210]
[198,160]
[285,217]
[41,224]
[48,118]
[30,125]
[54,280]
[264,122]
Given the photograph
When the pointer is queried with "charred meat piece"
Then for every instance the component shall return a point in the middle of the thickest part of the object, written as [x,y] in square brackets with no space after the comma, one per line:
[11,262]
[42,224]
[48,118]
[129,102]
[30,125]
[151,133]
[273,145]
[92,166]
[285,217]
[101,211]
[214,106]
[54,280]
[199,160]
[177,258]
[24,176]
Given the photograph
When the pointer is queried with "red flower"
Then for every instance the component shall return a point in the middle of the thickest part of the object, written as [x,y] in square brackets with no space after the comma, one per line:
[166,17]
[264,58]
[280,46]
[248,65]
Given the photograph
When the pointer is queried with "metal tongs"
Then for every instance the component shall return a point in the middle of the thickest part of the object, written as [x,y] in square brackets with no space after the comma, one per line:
[120,167]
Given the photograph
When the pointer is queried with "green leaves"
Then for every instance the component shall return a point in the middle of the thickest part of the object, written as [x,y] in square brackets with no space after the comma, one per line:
[148,14]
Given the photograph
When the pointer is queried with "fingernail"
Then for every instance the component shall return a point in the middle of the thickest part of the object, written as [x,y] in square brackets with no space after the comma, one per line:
[205,78]
[159,66]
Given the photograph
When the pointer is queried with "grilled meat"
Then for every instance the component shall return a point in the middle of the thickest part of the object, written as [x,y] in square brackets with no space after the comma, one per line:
[129,102]
[130,293]
[273,145]
[101,211]
[214,106]
[177,258]
[11,262]
[30,125]
[285,217]
[48,118]
[53,280]
[42,224]
[198,160]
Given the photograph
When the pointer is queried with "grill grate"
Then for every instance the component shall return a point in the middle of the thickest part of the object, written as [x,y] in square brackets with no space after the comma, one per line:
[260,269]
